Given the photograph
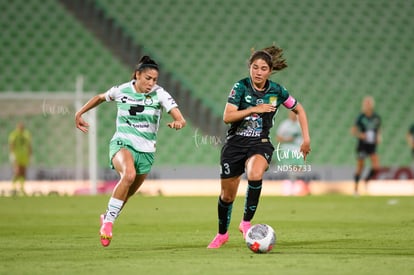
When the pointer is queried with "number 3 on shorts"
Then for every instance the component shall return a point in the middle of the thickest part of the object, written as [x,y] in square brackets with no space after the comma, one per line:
[225,169]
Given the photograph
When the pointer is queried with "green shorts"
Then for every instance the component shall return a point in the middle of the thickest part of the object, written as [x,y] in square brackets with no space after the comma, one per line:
[22,160]
[142,160]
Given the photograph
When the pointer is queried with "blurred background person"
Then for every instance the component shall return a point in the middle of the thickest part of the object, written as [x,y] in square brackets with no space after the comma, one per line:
[367,131]
[410,140]
[20,147]
[289,133]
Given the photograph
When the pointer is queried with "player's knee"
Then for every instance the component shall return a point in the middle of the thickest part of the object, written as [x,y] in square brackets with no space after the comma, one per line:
[227,198]
[254,175]
[228,195]
[129,176]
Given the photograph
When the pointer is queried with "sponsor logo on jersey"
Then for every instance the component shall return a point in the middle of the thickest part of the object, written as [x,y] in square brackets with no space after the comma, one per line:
[232,93]
[138,125]
[251,126]
[126,99]
[172,100]
[252,117]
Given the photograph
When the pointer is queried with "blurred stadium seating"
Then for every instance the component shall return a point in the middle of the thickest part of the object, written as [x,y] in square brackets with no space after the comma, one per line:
[337,52]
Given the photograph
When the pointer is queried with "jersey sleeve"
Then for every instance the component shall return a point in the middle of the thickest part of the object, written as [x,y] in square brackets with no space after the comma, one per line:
[111,94]
[379,122]
[12,137]
[358,123]
[236,94]
[289,101]
[166,100]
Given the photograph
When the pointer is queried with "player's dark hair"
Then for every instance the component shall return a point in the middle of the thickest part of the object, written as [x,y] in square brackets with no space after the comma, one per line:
[272,55]
[145,63]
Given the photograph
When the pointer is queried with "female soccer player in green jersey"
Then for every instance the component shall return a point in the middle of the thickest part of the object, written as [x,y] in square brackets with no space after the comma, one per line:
[131,149]
[250,110]
[367,130]
[410,139]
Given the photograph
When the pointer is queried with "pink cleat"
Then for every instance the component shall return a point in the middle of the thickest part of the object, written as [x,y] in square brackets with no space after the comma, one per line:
[244,227]
[219,240]
[105,232]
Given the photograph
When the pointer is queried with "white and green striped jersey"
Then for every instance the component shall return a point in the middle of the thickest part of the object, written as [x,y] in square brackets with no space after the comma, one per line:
[139,114]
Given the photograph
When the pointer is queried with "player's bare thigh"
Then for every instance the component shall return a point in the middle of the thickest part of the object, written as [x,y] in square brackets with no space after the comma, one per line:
[123,163]
[256,165]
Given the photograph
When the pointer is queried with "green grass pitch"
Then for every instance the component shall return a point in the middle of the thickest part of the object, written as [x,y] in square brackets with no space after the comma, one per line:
[168,235]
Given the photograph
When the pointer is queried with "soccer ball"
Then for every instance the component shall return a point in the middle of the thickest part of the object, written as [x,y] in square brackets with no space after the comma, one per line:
[260,238]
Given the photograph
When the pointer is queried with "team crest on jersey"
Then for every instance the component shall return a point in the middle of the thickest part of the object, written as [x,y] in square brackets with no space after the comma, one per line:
[148,100]
[273,100]
[259,101]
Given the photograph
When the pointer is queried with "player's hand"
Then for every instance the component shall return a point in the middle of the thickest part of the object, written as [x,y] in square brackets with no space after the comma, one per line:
[177,125]
[12,157]
[305,149]
[379,139]
[265,108]
[81,124]
[362,136]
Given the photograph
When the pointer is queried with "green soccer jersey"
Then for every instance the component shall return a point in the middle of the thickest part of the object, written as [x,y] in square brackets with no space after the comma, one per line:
[139,114]
[20,141]
[369,125]
[256,126]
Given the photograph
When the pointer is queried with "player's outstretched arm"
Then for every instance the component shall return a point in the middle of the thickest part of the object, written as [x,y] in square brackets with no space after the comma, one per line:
[303,121]
[179,121]
[410,140]
[80,123]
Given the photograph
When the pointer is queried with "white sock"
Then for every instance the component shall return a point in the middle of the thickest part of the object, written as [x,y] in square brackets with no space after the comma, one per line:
[114,207]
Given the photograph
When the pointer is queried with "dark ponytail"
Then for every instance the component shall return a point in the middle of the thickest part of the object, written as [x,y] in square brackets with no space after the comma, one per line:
[272,55]
[144,63]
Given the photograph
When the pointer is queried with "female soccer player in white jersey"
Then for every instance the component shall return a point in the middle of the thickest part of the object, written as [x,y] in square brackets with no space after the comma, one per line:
[131,150]
[250,109]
